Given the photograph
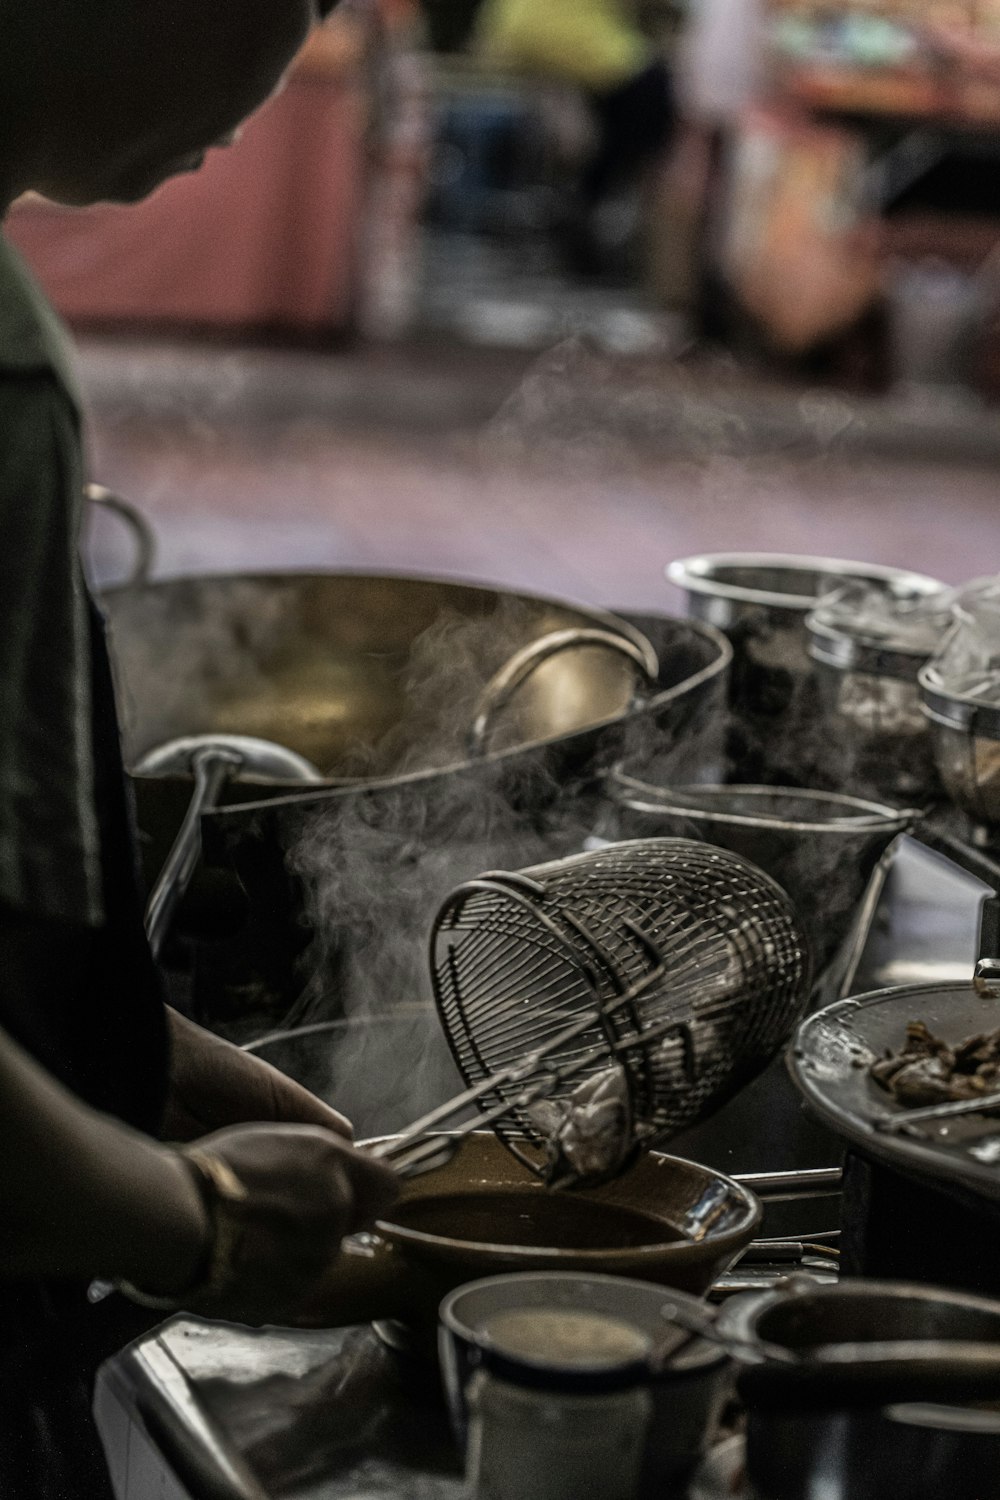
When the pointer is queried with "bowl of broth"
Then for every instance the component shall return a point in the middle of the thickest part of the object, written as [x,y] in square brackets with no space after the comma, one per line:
[664,1220]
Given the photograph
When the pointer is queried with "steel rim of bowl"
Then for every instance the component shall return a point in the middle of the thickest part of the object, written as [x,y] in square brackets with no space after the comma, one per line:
[876,815]
[709,1356]
[958,711]
[654,702]
[845,652]
[694,575]
[731,1238]
[743,1315]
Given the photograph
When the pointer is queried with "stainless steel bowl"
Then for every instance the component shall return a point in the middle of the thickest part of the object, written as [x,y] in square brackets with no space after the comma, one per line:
[687,1392]
[966,741]
[760,601]
[821,847]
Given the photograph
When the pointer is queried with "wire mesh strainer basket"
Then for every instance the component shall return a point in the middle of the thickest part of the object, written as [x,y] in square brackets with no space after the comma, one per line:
[681,963]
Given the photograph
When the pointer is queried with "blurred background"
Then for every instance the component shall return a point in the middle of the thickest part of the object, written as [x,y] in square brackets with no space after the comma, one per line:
[546,294]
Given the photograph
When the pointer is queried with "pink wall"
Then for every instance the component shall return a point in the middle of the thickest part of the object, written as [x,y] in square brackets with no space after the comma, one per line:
[264,234]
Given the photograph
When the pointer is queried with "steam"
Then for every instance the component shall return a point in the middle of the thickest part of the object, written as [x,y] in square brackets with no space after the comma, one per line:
[220,638]
[968,662]
[376,869]
[581,407]
[872,610]
[377,865]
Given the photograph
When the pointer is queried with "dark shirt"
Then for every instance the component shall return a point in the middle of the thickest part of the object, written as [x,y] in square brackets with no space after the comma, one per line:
[78,987]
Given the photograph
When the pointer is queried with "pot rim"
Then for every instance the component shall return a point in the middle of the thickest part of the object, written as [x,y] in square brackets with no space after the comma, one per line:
[720,1242]
[849,652]
[699,1358]
[695,575]
[871,816]
[958,711]
[741,1313]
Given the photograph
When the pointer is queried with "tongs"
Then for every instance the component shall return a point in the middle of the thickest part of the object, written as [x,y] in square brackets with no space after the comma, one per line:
[429,1143]
[950,1109]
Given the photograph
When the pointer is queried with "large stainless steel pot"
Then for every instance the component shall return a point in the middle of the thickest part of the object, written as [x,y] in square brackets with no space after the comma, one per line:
[366,676]
[761,601]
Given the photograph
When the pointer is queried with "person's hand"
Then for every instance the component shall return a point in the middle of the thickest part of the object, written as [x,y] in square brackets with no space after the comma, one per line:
[306,1189]
[213,1084]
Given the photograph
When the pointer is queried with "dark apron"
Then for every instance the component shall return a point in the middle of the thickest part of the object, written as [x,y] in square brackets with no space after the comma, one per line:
[103,1033]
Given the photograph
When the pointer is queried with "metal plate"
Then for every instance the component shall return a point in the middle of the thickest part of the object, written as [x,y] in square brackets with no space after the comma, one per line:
[828,1060]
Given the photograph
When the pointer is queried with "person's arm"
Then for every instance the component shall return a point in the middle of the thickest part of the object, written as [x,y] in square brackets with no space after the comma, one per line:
[83,1195]
[212,1084]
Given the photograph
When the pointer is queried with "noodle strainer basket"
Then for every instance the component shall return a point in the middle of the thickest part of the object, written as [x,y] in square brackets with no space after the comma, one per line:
[670,968]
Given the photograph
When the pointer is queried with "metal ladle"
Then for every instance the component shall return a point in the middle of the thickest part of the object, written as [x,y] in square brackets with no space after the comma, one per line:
[212,759]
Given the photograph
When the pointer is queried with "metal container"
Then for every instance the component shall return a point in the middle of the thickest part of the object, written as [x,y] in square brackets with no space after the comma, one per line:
[760,601]
[827,852]
[879,740]
[687,1393]
[380,681]
[852,1432]
[822,847]
[366,676]
[966,741]
[363,865]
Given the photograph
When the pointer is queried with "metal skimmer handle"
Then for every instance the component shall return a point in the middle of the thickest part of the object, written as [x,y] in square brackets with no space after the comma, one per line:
[212,759]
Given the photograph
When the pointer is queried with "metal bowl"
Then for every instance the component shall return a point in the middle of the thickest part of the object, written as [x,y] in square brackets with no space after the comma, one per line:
[364,675]
[760,601]
[821,847]
[966,741]
[687,1392]
[402,1271]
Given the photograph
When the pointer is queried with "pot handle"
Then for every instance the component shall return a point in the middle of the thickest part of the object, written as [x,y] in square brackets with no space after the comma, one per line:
[145,539]
[367,1282]
[504,684]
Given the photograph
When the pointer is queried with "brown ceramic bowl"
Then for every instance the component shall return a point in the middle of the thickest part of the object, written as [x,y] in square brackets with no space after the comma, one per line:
[665,1220]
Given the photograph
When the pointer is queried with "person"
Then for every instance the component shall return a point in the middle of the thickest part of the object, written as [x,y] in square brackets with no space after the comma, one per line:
[595,46]
[240,1216]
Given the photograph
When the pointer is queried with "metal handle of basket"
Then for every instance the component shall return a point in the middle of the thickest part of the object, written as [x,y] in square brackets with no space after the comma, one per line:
[514,673]
[142,532]
[421,1147]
